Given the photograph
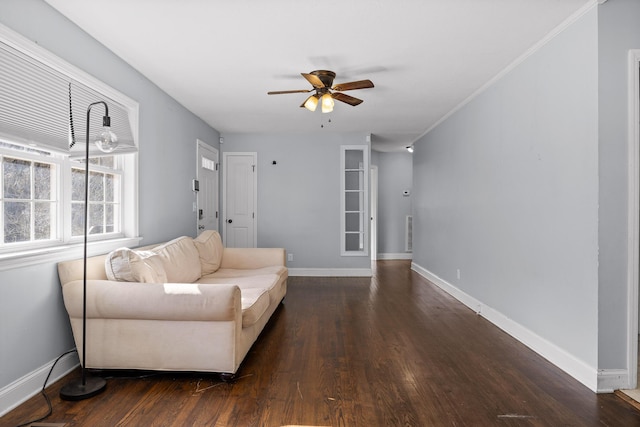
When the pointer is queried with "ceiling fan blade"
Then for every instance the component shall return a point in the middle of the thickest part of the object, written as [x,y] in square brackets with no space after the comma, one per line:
[360,84]
[314,80]
[280,92]
[346,98]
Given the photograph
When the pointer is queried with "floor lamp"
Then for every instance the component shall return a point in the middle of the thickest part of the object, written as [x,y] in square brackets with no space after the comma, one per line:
[87,387]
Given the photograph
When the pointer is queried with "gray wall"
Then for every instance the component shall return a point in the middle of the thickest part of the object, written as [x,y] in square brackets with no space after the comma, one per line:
[299,196]
[395,175]
[34,327]
[619,31]
[506,191]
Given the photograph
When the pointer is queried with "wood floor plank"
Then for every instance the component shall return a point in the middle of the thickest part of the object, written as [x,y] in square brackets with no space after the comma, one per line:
[391,350]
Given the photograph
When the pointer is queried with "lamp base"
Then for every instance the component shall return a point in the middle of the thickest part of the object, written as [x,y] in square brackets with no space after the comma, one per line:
[75,390]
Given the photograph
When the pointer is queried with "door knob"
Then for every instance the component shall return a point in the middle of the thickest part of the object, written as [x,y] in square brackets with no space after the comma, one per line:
[201,227]
[229,221]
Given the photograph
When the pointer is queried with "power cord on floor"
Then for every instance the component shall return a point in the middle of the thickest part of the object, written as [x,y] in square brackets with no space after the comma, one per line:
[50,407]
[44,386]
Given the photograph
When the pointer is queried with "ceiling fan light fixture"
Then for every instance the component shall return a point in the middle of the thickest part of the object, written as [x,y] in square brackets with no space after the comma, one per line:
[322,82]
[311,103]
[327,103]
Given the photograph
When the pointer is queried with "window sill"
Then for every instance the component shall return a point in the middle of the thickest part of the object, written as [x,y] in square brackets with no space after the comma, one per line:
[30,257]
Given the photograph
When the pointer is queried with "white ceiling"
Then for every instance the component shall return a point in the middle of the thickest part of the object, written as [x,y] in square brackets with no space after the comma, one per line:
[219,58]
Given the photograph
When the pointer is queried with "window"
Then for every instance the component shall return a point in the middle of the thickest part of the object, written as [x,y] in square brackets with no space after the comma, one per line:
[104,197]
[29,197]
[45,102]
[354,200]
[34,186]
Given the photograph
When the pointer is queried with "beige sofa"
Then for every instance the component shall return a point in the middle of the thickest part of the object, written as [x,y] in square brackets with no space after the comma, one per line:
[186,305]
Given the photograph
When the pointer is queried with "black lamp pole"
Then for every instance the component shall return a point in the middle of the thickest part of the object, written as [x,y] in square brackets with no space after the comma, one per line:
[86,387]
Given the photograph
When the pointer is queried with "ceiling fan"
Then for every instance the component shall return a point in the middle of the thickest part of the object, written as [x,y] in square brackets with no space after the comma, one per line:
[322,82]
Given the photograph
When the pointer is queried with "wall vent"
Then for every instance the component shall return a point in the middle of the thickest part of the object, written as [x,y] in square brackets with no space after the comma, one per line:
[408,234]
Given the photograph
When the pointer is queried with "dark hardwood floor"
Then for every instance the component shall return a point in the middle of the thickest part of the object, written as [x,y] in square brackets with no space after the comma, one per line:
[392,350]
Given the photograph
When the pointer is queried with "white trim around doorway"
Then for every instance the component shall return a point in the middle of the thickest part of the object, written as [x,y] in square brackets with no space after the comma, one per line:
[633,217]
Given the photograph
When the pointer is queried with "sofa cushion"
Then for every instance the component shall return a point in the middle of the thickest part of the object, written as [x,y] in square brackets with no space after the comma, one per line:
[254,304]
[274,284]
[236,272]
[180,260]
[127,265]
[209,246]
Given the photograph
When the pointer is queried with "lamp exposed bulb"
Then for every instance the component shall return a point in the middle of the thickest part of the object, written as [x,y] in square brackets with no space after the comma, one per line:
[106,141]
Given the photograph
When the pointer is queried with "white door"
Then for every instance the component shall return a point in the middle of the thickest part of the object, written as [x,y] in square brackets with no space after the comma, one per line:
[207,196]
[240,200]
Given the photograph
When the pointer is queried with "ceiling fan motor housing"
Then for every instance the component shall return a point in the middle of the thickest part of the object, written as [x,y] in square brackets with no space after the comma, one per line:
[325,76]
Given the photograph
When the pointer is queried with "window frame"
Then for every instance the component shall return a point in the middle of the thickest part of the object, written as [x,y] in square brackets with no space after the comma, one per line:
[33,253]
[118,171]
[52,159]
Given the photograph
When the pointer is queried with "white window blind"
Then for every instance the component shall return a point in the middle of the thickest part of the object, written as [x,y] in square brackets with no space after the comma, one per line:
[40,105]
[34,104]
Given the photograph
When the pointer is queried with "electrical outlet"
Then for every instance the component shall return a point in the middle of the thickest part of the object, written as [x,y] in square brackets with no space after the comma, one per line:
[289,257]
[458,274]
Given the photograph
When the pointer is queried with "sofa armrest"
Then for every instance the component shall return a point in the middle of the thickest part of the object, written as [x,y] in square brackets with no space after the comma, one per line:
[250,258]
[154,301]
[74,269]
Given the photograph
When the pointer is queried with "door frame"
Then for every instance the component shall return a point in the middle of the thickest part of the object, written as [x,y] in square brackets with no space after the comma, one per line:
[225,156]
[633,205]
[373,211]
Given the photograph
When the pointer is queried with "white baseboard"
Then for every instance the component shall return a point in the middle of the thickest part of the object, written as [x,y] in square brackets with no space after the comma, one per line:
[28,386]
[331,272]
[600,382]
[402,255]
[612,379]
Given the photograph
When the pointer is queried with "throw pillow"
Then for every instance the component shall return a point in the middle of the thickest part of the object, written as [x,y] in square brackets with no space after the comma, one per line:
[209,246]
[127,265]
[180,259]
